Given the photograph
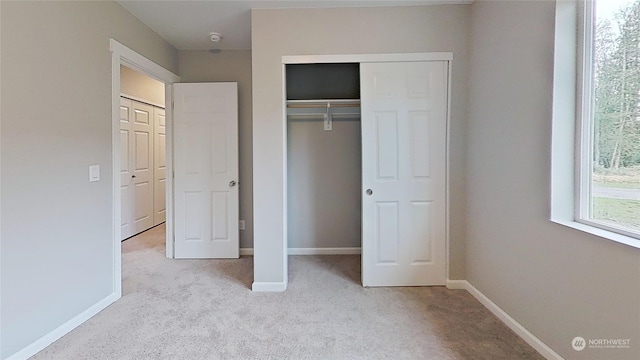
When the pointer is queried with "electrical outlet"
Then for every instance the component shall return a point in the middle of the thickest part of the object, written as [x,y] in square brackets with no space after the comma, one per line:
[241,224]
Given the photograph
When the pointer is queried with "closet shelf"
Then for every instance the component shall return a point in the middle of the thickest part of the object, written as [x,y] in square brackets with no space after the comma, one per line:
[324,108]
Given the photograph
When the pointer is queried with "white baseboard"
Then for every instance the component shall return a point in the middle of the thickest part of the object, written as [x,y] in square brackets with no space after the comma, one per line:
[63,329]
[325,251]
[246,251]
[457,284]
[520,330]
[259,286]
[313,251]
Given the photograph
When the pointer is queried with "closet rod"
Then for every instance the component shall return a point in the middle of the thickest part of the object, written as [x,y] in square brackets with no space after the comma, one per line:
[323,103]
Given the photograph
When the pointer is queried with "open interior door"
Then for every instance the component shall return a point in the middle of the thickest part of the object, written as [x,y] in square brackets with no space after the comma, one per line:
[205,119]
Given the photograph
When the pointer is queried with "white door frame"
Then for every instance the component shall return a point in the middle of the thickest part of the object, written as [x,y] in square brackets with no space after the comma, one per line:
[122,55]
[366,58]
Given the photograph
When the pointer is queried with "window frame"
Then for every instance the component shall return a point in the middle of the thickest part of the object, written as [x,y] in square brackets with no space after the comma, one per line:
[584,113]
[585,121]
[572,125]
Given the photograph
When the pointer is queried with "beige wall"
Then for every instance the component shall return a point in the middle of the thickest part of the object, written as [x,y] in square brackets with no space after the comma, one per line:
[57,249]
[557,282]
[230,65]
[344,31]
[141,86]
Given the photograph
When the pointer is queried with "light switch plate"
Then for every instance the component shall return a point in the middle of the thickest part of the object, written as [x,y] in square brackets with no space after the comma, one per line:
[94,173]
[241,225]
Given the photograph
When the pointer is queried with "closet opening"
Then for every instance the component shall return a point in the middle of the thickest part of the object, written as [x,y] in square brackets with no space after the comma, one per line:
[324,160]
[402,161]
[143,166]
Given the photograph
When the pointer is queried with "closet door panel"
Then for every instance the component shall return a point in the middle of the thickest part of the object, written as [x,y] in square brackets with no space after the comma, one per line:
[404,169]
[142,142]
[136,168]
[160,167]
[142,177]
[126,229]
[386,128]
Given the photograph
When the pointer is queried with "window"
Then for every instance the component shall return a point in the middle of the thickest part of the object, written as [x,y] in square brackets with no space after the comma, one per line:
[608,180]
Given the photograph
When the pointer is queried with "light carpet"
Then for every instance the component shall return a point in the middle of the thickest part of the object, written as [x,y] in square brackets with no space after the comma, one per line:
[204,309]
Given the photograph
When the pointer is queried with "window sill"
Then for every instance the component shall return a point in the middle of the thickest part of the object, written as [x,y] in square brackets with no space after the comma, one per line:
[606,234]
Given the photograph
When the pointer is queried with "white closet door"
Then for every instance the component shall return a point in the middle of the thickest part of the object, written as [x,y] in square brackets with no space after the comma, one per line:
[403,173]
[136,134]
[160,167]
[125,169]
[205,147]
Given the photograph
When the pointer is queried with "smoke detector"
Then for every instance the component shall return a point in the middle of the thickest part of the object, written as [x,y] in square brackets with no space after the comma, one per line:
[215,37]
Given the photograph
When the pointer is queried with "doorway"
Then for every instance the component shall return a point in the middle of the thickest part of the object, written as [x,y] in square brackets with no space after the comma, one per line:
[324,159]
[143,158]
[122,55]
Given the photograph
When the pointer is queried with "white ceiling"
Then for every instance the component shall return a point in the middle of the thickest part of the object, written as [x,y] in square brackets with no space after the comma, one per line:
[186,24]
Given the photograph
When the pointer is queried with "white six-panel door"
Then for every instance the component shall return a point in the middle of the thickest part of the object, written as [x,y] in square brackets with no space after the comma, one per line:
[403,173]
[136,173]
[205,149]
[126,225]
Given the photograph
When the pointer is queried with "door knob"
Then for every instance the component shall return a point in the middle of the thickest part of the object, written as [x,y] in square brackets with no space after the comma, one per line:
[133,176]
[232,183]
[369,192]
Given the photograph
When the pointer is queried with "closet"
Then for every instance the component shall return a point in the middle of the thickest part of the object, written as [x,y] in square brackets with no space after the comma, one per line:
[143,166]
[367,164]
[324,158]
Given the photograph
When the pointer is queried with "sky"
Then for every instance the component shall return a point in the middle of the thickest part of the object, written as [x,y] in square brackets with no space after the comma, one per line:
[605,9]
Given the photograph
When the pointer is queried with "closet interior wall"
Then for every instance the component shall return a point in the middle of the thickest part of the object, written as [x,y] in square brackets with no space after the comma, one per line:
[324,166]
